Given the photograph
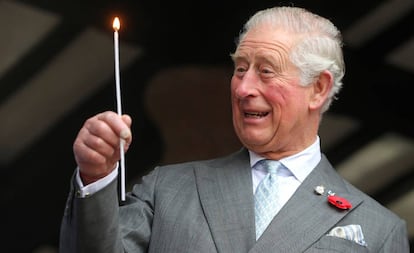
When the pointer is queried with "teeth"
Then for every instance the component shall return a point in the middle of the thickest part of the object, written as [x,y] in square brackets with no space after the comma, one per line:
[256,114]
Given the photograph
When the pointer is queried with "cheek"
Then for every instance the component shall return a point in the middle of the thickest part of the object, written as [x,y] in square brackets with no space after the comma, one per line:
[297,96]
[276,96]
[288,105]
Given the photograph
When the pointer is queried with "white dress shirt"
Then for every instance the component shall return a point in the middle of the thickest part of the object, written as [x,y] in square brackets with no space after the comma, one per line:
[90,189]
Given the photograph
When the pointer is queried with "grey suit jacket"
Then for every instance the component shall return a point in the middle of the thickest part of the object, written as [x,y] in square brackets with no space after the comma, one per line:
[207,206]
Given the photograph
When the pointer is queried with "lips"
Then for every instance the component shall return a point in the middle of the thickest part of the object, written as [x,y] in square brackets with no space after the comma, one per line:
[256,114]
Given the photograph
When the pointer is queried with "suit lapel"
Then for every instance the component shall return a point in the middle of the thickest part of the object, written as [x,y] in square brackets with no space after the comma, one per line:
[307,216]
[226,195]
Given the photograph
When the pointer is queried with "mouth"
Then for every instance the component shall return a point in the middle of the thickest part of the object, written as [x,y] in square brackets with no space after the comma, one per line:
[256,115]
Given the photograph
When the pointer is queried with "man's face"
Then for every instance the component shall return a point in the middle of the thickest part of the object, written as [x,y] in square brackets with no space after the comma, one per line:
[270,107]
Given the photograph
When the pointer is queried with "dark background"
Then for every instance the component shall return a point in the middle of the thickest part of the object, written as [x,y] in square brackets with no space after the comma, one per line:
[181,50]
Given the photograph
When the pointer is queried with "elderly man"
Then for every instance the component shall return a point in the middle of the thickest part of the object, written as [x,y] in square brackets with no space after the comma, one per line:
[279,193]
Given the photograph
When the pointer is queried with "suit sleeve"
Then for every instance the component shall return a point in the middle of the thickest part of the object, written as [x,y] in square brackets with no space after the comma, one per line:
[98,224]
[90,224]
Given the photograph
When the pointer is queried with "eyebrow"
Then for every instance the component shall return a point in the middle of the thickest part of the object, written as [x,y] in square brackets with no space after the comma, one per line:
[272,59]
[237,55]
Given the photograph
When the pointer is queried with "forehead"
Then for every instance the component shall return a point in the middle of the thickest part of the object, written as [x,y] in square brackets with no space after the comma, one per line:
[268,38]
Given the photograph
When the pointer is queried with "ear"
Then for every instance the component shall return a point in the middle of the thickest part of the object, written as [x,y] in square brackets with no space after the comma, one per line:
[321,89]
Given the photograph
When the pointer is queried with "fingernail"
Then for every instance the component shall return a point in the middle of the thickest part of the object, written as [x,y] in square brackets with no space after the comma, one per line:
[125,134]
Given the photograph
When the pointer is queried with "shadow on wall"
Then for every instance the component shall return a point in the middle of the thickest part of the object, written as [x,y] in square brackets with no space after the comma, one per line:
[191,107]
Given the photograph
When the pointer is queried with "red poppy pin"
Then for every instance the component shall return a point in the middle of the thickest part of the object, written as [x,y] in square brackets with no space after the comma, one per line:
[339,202]
[333,199]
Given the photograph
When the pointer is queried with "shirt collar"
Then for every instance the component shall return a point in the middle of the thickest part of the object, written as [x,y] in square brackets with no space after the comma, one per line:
[300,164]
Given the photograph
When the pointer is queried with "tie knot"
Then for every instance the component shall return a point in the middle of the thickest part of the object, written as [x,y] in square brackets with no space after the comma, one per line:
[271,166]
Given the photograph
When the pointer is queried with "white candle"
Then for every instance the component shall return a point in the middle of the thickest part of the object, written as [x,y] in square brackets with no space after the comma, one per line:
[116,26]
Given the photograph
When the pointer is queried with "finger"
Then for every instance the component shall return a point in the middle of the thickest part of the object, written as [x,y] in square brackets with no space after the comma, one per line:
[119,125]
[103,132]
[128,138]
[127,119]
[85,154]
[100,145]
[93,161]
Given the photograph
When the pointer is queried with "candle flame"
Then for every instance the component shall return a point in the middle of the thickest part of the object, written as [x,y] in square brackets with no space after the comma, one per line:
[116,24]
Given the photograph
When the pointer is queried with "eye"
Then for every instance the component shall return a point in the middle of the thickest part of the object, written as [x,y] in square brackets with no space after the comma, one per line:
[240,69]
[267,72]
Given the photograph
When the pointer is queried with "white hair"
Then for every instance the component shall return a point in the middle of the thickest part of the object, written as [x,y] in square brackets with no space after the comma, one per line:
[319,47]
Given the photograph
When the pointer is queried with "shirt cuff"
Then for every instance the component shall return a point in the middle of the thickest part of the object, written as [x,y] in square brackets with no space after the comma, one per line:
[85,191]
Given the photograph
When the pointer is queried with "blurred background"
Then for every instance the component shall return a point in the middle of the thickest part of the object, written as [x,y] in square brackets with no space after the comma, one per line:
[57,69]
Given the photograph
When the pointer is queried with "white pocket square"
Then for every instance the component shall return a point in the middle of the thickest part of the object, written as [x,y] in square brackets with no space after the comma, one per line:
[350,232]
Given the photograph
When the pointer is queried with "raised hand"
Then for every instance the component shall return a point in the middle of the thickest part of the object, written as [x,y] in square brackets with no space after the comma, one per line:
[96,148]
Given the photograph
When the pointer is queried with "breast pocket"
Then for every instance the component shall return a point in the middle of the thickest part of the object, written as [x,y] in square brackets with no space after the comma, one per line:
[335,244]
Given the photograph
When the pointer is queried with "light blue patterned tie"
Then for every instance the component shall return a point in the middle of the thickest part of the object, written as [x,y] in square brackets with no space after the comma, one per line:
[266,196]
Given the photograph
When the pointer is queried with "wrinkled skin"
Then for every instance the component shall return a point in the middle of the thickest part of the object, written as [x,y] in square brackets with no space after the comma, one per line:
[273,114]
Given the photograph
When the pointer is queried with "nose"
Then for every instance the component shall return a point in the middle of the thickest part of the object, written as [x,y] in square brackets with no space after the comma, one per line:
[245,85]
